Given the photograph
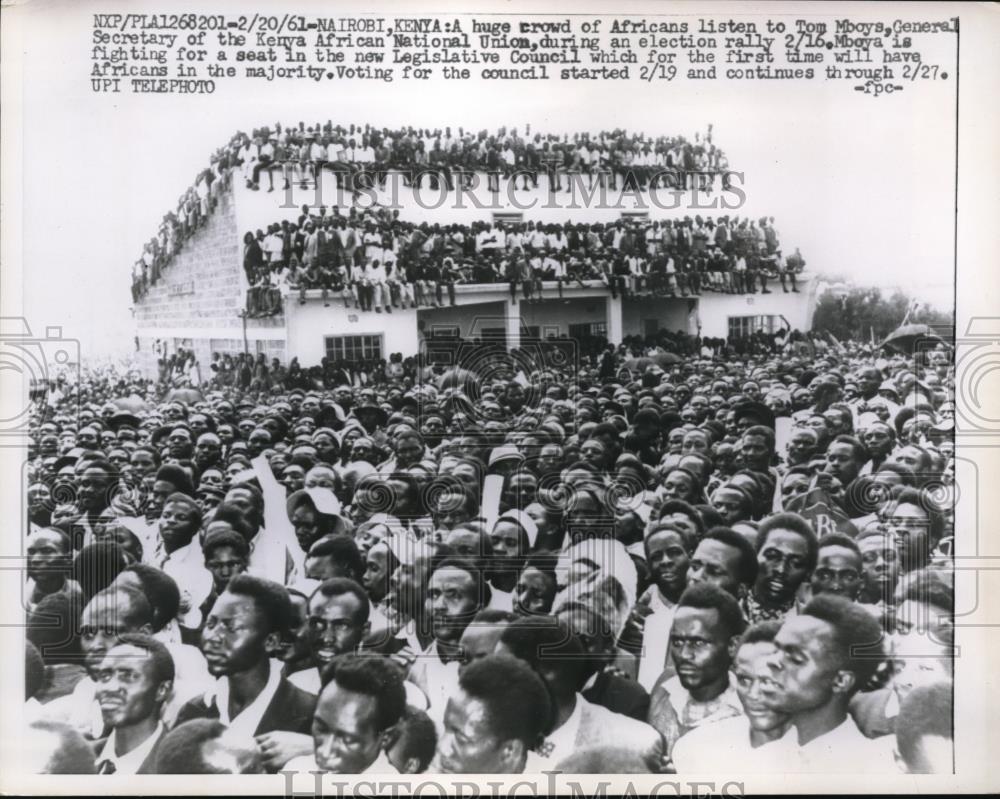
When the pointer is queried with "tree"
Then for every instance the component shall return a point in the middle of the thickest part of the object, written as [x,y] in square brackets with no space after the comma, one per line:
[861,310]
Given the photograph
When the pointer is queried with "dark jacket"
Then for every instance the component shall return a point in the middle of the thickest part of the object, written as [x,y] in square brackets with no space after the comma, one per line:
[291,709]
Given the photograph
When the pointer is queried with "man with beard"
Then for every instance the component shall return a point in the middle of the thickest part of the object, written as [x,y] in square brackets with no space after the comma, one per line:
[738,738]
[457,590]
[703,638]
[336,625]
[361,703]
[133,683]
[242,636]
[823,657]
[786,556]
[499,712]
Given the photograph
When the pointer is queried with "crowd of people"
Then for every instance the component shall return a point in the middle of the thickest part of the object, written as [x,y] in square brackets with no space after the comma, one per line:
[375,260]
[365,157]
[723,563]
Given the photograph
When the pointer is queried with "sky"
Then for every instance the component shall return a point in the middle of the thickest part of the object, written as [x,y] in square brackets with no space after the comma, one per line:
[864,186]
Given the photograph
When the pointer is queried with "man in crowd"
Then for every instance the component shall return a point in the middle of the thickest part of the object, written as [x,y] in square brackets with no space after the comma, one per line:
[361,702]
[823,657]
[133,684]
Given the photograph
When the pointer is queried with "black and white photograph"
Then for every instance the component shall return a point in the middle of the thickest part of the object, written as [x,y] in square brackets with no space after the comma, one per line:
[596,397]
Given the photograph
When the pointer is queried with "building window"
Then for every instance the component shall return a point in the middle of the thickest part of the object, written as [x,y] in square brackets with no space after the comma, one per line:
[587,330]
[746,325]
[354,348]
[444,331]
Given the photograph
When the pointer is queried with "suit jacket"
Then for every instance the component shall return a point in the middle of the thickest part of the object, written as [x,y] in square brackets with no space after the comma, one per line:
[601,729]
[619,695]
[869,711]
[291,709]
[148,765]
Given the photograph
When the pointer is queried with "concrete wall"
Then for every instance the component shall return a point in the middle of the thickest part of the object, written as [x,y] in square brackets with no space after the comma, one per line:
[715,309]
[310,324]
[197,301]
[470,320]
[639,313]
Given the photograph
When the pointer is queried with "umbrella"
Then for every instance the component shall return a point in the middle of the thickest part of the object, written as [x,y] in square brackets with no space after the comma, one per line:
[906,338]
[666,358]
[638,364]
[133,403]
[462,379]
[188,396]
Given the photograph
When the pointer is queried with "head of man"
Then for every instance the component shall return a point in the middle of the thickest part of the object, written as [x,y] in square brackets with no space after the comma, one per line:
[179,520]
[93,486]
[158,587]
[757,447]
[408,583]
[802,446]
[208,450]
[226,556]
[703,637]
[924,734]
[481,636]
[913,526]
[334,556]
[838,567]
[844,458]
[362,700]
[535,590]
[134,681]
[456,591]
[786,556]
[380,563]
[549,646]
[753,676]
[109,615]
[49,558]
[250,502]
[668,553]
[726,559]
[207,746]
[245,626]
[337,619]
[823,656]
[880,565]
[499,713]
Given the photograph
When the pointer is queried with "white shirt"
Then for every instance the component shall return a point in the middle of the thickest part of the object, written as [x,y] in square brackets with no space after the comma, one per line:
[560,743]
[130,762]
[845,746]
[187,567]
[306,763]
[441,681]
[249,718]
[655,641]
[501,600]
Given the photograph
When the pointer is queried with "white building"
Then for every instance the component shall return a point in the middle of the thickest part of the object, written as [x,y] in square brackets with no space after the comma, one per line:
[197,302]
